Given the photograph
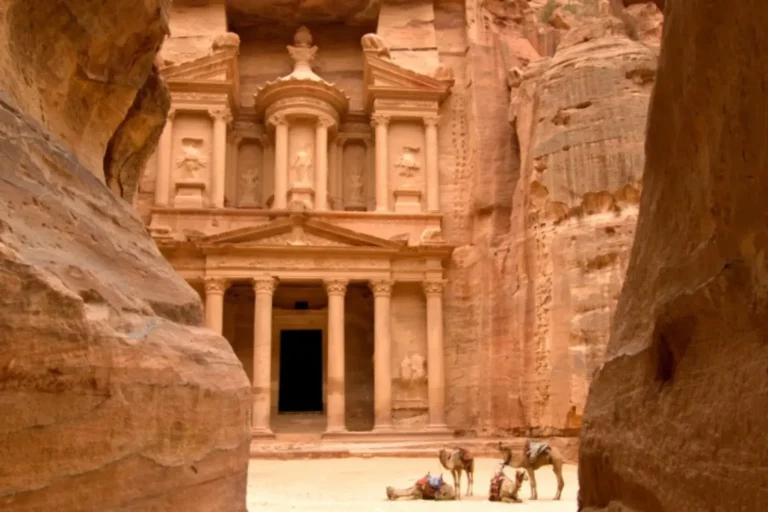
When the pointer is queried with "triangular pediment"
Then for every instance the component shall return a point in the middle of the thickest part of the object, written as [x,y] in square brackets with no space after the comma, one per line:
[297,231]
[383,72]
[218,66]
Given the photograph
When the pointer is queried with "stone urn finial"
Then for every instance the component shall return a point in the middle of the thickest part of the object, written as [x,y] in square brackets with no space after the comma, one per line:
[303,37]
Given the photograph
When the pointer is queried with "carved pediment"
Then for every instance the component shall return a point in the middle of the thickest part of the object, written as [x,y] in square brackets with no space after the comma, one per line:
[297,231]
[219,66]
[385,79]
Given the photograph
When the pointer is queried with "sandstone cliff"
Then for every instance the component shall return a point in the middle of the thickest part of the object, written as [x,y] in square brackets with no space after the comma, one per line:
[676,416]
[111,396]
[547,217]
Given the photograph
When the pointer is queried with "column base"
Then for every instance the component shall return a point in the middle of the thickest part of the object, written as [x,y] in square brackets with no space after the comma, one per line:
[386,428]
[438,428]
[382,209]
[262,433]
[335,433]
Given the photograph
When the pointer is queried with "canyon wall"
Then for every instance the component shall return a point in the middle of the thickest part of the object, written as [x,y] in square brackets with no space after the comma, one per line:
[676,416]
[544,214]
[107,382]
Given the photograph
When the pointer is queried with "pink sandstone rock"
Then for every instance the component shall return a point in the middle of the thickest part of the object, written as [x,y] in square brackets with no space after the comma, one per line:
[111,395]
[684,387]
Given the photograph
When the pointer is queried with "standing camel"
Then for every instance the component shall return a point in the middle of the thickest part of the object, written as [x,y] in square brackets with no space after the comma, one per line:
[457,460]
[535,455]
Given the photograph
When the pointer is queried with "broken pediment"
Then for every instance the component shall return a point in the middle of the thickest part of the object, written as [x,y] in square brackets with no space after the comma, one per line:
[386,80]
[296,231]
[218,66]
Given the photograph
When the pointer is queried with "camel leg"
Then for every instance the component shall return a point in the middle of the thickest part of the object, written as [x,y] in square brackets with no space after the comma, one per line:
[471,483]
[412,493]
[457,482]
[532,476]
[557,467]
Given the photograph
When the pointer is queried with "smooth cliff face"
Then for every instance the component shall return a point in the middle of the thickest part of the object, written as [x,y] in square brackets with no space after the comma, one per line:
[107,382]
[684,387]
[546,221]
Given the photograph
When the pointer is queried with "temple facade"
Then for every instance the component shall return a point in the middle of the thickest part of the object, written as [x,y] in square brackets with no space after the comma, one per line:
[307,215]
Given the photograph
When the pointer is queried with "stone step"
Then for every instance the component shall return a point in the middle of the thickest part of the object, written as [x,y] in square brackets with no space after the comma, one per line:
[480,447]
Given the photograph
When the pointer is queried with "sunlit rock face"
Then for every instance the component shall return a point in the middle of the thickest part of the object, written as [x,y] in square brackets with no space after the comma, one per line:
[111,394]
[683,388]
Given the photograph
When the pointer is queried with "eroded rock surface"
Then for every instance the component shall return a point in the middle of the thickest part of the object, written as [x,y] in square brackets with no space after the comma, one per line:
[684,387]
[555,204]
[111,395]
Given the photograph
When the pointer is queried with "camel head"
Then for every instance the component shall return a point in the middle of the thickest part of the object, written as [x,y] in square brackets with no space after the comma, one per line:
[521,476]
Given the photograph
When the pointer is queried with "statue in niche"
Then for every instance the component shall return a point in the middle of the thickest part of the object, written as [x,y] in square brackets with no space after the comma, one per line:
[413,370]
[191,161]
[302,166]
[407,165]
[355,183]
[250,186]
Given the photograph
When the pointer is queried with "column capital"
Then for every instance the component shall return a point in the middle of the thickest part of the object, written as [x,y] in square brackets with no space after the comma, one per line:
[216,285]
[171,113]
[278,120]
[234,138]
[220,114]
[336,286]
[433,287]
[381,287]
[431,120]
[325,122]
[264,285]
[380,119]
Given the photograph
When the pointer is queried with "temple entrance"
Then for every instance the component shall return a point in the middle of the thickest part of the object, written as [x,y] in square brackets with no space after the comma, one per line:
[301,371]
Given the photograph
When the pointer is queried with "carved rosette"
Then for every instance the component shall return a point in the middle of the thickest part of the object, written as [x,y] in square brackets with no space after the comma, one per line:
[382,287]
[264,285]
[380,120]
[434,287]
[215,285]
[336,286]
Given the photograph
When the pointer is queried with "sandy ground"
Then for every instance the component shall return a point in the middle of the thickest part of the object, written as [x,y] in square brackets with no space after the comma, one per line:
[347,485]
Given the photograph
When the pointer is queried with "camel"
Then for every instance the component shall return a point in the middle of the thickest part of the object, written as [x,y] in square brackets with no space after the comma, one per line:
[504,488]
[535,455]
[426,488]
[457,460]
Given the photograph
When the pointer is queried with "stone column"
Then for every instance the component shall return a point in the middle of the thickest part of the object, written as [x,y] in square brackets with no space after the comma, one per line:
[221,118]
[339,203]
[435,358]
[382,355]
[264,288]
[214,303]
[321,163]
[234,141]
[281,163]
[381,124]
[336,289]
[432,171]
[164,150]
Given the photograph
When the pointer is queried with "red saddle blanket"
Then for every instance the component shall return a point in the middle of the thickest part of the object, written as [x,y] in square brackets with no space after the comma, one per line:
[428,489]
[494,494]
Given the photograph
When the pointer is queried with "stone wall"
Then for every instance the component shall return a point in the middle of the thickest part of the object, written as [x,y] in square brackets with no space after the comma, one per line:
[676,416]
[106,376]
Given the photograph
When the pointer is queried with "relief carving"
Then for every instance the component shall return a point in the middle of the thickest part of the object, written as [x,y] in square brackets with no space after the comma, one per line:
[302,166]
[407,165]
[192,161]
[432,236]
[250,187]
[412,390]
[355,177]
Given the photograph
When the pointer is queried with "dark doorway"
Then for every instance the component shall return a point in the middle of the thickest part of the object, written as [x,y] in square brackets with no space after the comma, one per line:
[301,371]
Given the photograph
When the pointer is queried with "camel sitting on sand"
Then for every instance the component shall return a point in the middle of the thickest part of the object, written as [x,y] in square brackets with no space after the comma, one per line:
[535,455]
[426,488]
[457,460]
[505,489]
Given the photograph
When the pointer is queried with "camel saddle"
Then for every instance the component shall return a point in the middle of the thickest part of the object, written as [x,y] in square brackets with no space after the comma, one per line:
[534,449]
[429,486]
[495,492]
